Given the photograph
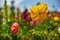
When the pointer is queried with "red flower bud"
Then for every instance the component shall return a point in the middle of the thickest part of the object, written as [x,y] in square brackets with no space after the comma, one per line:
[14,27]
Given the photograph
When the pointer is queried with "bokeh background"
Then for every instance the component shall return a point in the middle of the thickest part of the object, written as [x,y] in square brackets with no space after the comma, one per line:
[29,3]
[29,19]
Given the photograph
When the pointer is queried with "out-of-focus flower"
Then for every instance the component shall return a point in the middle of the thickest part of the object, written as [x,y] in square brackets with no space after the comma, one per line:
[42,21]
[39,12]
[24,15]
[29,17]
[17,16]
[59,30]
[23,20]
[37,22]
[56,18]
[32,23]
[15,27]
[18,9]
[54,15]
[49,16]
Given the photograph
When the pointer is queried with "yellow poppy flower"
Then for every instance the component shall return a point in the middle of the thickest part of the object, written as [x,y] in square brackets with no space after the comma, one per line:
[39,12]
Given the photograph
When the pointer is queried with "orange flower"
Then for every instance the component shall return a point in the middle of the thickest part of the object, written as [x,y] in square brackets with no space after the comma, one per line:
[39,12]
